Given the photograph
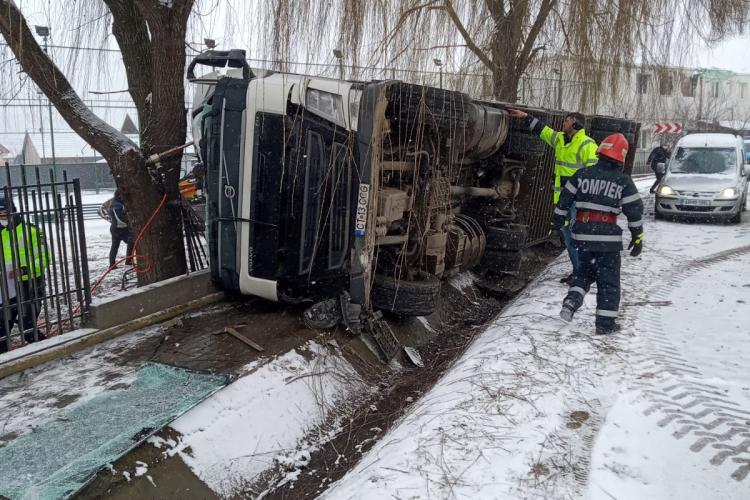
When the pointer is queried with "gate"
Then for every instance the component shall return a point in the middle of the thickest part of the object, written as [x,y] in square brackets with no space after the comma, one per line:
[44,277]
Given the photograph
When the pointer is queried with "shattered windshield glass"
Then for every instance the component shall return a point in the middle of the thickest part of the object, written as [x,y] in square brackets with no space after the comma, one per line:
[704,161]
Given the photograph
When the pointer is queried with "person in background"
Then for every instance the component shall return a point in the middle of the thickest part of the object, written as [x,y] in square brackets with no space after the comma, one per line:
[25,258]
[659,154]
[118,228]
[573,150]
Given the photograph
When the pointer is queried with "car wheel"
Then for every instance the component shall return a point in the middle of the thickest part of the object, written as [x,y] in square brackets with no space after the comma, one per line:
[737,218]
[408,298]
[657,215]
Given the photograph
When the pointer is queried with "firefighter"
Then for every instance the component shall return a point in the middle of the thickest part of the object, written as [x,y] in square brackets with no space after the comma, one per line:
[25,260]
[599,194]
[573,150]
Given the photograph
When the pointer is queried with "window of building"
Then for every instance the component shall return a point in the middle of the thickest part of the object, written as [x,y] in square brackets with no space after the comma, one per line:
[713,89]
[641,83]
[689,85]
[743,90]
[665,84]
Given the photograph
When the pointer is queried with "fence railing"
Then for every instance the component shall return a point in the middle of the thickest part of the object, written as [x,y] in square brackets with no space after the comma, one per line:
[44,276]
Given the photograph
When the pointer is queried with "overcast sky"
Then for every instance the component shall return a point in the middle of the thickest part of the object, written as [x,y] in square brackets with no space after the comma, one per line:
[733,55]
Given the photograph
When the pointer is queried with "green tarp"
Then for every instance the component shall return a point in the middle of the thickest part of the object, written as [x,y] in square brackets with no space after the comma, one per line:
[62,454]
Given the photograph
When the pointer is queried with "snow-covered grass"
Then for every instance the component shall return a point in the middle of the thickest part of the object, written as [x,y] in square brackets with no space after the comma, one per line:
[264,417]
[540,409]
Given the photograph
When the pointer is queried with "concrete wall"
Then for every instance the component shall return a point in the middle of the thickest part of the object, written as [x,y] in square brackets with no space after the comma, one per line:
[149,300]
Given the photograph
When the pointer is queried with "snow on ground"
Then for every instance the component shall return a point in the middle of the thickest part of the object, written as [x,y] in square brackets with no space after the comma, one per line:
[262,417]
[540,409]
[31,397]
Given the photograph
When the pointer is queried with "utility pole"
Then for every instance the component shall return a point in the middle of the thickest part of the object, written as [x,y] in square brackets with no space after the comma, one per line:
[41,125]
[43,31]
[558,72]
[340,56]
[439,64]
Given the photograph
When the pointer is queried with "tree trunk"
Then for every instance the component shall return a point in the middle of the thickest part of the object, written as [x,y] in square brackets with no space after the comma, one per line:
[151,36]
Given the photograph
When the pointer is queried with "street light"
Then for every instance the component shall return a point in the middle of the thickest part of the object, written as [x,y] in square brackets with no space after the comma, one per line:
[439,64]
[340,56]
[43,31]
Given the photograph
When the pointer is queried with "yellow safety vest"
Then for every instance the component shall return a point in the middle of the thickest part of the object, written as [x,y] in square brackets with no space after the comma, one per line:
[569,157]
[27,236]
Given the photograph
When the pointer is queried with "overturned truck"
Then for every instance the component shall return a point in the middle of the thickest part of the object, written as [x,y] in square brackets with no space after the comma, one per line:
[357,197]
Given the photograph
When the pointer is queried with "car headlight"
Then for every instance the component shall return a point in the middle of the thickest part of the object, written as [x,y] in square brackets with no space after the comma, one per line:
[728,193]
[667,191]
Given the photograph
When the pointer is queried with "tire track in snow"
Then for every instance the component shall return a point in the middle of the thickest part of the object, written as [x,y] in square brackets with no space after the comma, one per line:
[710,422]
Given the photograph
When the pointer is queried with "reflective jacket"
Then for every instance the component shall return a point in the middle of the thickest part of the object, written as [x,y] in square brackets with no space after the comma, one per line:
[32,249]
[602,190]
[570,154]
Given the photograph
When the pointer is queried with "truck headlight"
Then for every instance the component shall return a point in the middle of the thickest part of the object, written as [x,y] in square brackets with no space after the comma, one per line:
[728,193]
[667,191]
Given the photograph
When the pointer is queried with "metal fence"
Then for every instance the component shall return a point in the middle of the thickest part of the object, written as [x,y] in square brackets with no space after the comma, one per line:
[44,276]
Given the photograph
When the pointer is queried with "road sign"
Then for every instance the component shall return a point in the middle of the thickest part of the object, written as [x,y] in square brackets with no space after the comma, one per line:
[668,128]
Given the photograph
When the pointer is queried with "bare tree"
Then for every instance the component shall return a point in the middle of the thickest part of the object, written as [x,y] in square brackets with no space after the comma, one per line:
[506,38]
[151,36]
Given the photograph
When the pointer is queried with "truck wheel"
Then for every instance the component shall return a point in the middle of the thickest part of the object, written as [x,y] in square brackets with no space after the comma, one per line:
[500,261]
[409,298]
[509,238]
[523,144]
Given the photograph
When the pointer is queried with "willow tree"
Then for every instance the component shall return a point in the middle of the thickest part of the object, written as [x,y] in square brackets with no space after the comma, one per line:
[151,37]
[593,39]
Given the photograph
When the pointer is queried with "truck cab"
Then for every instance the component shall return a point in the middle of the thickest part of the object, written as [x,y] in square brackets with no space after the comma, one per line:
[317,187]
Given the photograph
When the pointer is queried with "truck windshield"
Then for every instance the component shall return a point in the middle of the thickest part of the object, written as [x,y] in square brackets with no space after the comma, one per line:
[704,161]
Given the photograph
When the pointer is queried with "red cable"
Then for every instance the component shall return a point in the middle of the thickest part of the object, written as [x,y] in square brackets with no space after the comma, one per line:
[148,262]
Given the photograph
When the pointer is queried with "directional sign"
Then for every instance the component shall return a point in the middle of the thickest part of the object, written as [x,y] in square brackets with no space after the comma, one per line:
[668,128]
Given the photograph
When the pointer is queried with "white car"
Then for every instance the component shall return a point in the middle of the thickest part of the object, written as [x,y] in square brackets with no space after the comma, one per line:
[706,177]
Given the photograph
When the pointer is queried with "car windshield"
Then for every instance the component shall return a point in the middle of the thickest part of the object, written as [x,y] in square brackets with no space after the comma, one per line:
[703,161]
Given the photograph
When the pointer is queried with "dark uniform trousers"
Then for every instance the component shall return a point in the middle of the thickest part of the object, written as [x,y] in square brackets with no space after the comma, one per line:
[32,292]
[604,269]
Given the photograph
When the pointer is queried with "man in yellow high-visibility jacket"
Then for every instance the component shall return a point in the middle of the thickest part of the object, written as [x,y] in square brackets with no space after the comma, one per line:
[25,258]
[573,150]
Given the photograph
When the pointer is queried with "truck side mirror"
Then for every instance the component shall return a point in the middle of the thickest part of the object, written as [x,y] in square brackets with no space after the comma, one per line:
[661,168]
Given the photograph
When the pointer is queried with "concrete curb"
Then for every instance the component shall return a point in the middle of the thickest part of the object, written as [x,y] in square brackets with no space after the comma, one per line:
[88,337]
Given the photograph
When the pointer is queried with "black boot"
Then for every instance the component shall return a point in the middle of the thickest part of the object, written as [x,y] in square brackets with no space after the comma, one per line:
[607,329]
[568,279]
[568,310]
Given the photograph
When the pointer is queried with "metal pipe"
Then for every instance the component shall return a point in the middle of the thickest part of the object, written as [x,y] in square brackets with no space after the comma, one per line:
[479,192]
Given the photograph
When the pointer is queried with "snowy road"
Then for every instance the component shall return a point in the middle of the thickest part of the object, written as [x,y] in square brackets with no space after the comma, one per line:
[539,409]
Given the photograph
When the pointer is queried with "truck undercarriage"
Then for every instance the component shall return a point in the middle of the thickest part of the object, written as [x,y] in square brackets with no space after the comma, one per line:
[357,197]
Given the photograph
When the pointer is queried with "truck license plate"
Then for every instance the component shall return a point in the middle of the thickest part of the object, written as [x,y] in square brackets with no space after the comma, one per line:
[363,198]
[695,202]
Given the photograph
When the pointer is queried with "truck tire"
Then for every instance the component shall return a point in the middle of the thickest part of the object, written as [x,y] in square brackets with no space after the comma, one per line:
[523,144]
[500,261]
[509,238]
[408,298]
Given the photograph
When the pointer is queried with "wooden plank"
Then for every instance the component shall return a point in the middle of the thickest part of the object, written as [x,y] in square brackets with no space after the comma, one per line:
[234,333]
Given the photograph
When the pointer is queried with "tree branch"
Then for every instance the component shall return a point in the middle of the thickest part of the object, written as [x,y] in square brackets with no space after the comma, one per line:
[448,8]
[523,59]
[39,67]
[131,32]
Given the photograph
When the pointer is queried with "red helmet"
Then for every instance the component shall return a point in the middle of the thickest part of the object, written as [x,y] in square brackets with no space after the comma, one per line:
[615,147]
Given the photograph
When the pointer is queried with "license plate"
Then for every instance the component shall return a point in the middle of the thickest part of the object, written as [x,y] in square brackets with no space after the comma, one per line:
[695,202]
